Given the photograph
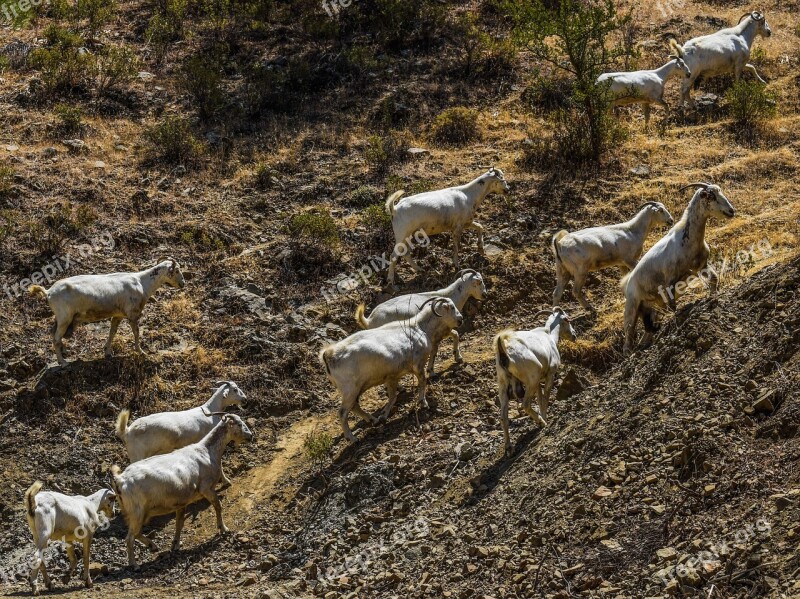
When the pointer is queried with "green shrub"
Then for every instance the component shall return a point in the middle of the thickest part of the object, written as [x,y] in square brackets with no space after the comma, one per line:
[265,176]
[166,26]
[70,119]
[96,13]
[5,63]
[63,64]
[546,94]
[114,65]
[456,126]
[482,53]
[361,197]
[317,225]
[317,445]
[202,79]
[397,23]
[378,224]
[750,102]
[383,151]
[172,141]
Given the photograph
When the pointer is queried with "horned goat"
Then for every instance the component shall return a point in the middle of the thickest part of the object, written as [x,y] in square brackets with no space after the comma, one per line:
[588,250]
[441,211]
[723,52]
[468,284]
[382,356]
[68,518]
[657,280]
[92,298]
[163,484]
[167,431]
[643,87]
[525,361]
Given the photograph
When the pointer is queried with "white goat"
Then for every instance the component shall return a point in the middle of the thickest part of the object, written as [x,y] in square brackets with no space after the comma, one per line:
[658,278]
[527,359]
[54,516]
[166,431]
[92,298]
[588,250]
[163,484]
[469,283]
[726,51]
[643,87]
[445,210]
[382,356]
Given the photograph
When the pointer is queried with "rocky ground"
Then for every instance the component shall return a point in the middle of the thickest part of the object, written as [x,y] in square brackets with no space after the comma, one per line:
[671,473]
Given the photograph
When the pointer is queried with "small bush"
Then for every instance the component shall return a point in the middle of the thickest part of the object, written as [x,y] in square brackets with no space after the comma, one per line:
[546,94]
[750,102]
[265,176]
[317,445]
[96,13]
[202,79]
[383,151]
[63,64]
[114,65]
[318,225]
[456,126]
[361,197]
[70,119]
[378,224]
[172,141]
[166,27]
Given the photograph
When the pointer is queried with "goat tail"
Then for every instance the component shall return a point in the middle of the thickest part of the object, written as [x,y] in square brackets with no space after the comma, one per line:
[676,47]
[325,356]
[502,355]
[30,498]
[116,481]
[624,282]
[556,239]
[37,290]
[391,202]
[362,322]
[122,424]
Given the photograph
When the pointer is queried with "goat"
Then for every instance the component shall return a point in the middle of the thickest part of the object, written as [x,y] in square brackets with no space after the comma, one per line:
[726,51]
[92,298]
[163,484]
[382,356]
[656,280]
[445,210]
[468,284]
[588,250]
[167,431]
[527,359]
[54,516]
[643,87]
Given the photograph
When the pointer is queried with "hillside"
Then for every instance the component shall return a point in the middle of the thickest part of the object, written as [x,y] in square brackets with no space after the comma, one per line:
[256,142]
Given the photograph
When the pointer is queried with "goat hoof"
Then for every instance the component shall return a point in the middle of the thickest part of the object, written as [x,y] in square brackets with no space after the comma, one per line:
[65,578]
[88,583]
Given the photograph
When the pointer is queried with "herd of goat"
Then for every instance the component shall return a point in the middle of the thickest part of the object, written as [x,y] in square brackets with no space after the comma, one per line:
[176,457]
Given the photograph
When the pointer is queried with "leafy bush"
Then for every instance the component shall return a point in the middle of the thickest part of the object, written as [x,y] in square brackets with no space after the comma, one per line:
[378,224]
[750,102]
[317,225]
[397,23]
[456,126]
[581,39]
[165,27]
[64,64]
[172,141]
[383,151]
[114,65]
[317,445]
[70,119]
[361,197]
[482,53]
[96,13]
[202,79]
[546,94]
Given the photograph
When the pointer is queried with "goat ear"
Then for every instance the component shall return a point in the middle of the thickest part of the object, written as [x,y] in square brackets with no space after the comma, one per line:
[226,392]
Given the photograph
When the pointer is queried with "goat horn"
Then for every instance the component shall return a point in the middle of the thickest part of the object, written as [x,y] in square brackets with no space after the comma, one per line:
[698,184]
[222,382]
[650,203]
[540,312]
[436,304]
[467,271]
[744,16]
